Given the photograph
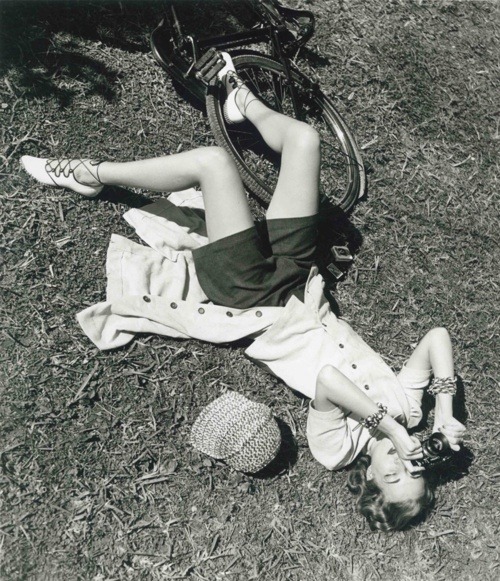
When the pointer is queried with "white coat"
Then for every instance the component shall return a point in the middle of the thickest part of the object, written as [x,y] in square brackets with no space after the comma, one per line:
[154,289]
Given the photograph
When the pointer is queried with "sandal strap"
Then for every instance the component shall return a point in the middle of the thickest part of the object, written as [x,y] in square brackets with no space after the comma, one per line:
[237,84]
[67,166]
[246,102]
[248,99]
[233,77]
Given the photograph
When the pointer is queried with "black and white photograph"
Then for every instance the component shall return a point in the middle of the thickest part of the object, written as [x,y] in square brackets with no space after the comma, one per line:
[249,290]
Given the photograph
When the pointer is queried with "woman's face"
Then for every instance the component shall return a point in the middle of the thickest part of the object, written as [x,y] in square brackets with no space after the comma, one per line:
[391,475]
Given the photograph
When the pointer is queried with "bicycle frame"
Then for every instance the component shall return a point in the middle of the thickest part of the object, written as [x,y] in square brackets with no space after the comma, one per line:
[274,31]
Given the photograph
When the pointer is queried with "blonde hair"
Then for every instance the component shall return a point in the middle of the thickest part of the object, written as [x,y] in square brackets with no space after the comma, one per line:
[380,514]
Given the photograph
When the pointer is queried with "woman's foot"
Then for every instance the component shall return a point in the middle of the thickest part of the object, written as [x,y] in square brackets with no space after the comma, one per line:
[79,175]
[239,95]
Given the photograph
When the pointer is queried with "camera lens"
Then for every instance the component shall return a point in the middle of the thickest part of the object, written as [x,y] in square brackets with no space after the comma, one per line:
[437,444]
[436,452]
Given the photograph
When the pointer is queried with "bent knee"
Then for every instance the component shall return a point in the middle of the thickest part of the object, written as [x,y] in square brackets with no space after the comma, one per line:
[438,334]
[214,158]
[305,136]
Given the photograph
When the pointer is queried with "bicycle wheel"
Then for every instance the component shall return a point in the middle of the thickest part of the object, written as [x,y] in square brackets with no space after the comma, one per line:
[342,171]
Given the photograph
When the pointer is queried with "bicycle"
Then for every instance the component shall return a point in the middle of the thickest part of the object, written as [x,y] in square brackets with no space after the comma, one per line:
[193,62]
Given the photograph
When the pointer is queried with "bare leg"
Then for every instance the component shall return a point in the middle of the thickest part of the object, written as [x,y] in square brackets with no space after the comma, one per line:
[227,210]
[297,190]
[211,168]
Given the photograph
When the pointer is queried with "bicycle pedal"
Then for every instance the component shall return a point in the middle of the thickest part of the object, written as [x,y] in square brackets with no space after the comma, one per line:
[208,56]
[207,66]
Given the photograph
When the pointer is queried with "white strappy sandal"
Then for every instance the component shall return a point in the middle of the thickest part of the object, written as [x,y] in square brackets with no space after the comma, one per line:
[60,173]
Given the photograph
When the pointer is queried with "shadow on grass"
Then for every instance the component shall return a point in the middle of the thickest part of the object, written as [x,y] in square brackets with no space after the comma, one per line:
[335,229]
[66,64]
[119,195]
[286,457]
[39,44]
[39,39]
[459,407]
[455,469]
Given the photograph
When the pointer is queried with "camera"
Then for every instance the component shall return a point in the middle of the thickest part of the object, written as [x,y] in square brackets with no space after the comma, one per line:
[335,271]
[437,451]
[341,254]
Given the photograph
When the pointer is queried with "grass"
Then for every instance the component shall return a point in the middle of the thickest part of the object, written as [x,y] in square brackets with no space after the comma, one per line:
[98,480]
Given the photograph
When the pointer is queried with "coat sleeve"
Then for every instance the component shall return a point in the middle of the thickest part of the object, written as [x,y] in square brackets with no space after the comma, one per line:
[331,437]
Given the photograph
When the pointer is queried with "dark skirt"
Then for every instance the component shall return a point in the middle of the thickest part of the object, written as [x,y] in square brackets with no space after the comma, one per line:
[262,266]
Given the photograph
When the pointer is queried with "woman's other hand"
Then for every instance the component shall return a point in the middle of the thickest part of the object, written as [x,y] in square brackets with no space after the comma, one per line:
[453,430]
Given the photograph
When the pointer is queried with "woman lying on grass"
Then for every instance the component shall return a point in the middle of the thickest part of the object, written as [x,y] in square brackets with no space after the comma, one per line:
[360,410]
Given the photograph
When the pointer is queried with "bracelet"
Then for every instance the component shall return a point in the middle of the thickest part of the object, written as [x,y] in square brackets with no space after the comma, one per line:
[373,420]
[445,385]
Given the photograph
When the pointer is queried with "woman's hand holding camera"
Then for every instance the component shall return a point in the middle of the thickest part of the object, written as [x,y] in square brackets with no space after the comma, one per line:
[407,447]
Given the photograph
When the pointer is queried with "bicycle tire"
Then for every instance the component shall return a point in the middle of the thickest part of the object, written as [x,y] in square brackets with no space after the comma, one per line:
[342,172]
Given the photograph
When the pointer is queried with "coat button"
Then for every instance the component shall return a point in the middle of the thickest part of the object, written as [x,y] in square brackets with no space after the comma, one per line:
[354,366]
[366,386]
[146,299]
[258,313]
[229,314]
[173,305]
[341,345]
[201,310]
